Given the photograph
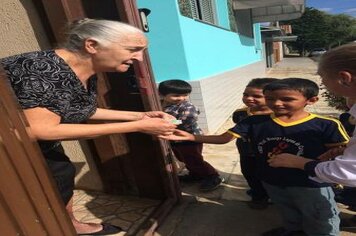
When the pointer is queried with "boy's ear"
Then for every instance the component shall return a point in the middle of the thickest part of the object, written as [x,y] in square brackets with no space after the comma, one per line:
[312,100]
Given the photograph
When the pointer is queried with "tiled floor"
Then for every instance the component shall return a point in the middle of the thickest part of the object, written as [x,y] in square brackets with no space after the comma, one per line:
[125,211]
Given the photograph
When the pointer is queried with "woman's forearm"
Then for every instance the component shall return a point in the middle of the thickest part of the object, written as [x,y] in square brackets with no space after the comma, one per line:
[107,114]
[45,125]
[76,131]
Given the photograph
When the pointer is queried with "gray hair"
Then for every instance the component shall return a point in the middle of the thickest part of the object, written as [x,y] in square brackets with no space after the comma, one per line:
[104,32]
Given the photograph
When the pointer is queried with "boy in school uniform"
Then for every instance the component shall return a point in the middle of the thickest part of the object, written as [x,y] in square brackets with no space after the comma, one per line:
[175,95]
[305,205]
[255,103]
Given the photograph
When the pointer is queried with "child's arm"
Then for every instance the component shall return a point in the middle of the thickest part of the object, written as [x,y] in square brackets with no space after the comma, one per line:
[289,161]
[180,135]
[331,153]
[214,139]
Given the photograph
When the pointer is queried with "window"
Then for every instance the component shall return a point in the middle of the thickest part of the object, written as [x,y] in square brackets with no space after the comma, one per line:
[199,9]
[204,10]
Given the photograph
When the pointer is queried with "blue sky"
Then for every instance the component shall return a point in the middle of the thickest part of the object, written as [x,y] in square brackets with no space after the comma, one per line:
[334,6]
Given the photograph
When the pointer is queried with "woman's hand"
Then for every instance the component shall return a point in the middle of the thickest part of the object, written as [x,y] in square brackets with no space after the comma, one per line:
[179,135]
[288,160]
[157,114]
[156,126]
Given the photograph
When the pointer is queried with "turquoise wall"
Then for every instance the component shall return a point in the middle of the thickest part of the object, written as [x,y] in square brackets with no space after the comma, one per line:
[257,36]
[165,41]
[183,48]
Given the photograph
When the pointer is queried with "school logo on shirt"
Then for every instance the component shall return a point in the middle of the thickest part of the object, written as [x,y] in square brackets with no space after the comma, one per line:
[270,147]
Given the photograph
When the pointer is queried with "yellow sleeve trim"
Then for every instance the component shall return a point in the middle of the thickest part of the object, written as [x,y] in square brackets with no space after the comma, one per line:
[339,126]
[233,134]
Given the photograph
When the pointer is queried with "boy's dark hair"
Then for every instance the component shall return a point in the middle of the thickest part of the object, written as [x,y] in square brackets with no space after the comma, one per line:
[260,83]
[174,86]
[306,87]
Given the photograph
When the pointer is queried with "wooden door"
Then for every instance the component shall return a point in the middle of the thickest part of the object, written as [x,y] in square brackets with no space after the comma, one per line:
[29,201]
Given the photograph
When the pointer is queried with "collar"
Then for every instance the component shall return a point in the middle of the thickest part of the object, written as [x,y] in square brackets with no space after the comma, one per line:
[285,124]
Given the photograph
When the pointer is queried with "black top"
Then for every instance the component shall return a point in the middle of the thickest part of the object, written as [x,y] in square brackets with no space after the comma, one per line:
[309,137]
[43,79]
[243,144]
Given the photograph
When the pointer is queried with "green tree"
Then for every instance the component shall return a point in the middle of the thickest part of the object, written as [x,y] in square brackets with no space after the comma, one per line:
[317,29]
[310,29]
[342,29]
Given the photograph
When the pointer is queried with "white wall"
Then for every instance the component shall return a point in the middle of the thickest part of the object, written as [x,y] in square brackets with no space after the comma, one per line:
[218,96]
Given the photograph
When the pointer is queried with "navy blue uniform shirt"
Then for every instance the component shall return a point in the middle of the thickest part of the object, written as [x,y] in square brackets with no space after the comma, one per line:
[308,137]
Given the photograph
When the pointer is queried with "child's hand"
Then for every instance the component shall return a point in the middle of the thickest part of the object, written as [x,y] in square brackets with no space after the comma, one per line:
[178,135]
[288,160]
[331,153]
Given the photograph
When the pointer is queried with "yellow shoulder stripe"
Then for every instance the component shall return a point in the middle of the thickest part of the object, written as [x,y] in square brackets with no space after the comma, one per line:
[233,134]
[340,127]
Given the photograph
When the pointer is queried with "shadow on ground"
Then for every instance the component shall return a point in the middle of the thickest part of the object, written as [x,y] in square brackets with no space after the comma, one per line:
[221,218]
[221,212]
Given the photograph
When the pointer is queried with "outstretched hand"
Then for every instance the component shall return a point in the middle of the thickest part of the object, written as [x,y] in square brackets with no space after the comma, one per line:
[288,160]
[178,135]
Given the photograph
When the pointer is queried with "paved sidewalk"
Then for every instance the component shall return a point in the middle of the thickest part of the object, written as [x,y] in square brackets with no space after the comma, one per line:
[224,212]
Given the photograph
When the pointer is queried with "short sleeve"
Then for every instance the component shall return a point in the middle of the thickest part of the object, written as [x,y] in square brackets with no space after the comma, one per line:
[335,134]
[31,92]
[242,129]
[37,85]
[43,79]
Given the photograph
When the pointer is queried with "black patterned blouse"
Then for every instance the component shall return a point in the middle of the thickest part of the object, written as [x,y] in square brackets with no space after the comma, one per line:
[43,79]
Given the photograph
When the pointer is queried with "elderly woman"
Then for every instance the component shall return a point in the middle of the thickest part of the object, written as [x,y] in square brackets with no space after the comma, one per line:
[57,92]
